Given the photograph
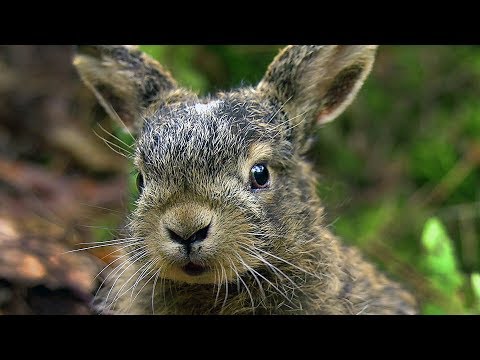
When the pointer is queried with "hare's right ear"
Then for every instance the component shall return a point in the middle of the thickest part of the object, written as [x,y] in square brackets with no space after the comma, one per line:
[313,84]
[124,79]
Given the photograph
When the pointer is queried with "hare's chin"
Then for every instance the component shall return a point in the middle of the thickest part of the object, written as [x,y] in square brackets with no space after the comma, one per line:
[191,273]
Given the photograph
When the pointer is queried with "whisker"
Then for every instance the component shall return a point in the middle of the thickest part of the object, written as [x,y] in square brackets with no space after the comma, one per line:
[279,109]
[114,271]
[153,291]
[219,285]
[148,270]
[110,264]
[244,284]
[214,269]
[271,284]
[297,116]
[363,309]
[289,120]
[130,278]
[113,136]
[289,263]
[232,267]
[275,269]
[226,288]
[99,246]
[170,287]
[249,269]
[120,249]
[262,234]
[112,112]
[110,144]
[102,208]
[110,229]
[118,293]
[163,282]
[139,291]
[132,259]
[109,241]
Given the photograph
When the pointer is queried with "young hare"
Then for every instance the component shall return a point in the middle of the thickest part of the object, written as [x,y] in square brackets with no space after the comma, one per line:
[228,220]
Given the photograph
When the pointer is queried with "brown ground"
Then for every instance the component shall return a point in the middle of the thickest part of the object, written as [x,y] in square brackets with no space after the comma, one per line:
[58,184]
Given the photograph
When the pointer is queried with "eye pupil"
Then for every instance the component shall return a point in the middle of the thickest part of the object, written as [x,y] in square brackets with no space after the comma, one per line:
[140,182]
[260,176]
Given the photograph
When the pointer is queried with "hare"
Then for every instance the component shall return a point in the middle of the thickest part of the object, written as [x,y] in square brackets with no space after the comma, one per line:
[228,220]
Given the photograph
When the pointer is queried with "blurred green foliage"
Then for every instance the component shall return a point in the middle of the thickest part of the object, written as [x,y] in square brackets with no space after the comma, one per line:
[399,170]
[440,264]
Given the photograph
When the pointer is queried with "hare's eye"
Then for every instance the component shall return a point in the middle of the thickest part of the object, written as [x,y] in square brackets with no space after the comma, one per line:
[140,182]
[259,176]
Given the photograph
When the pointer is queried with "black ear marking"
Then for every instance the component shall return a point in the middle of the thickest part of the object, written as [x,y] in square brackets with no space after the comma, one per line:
[341,86]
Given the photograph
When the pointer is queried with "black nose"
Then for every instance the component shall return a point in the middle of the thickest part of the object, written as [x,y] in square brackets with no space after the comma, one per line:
[198,236]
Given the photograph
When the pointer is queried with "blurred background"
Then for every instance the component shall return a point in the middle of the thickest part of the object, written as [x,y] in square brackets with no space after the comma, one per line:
[399,170]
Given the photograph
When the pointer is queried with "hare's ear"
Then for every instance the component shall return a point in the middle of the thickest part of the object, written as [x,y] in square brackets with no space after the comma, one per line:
[315,83]
[125,80]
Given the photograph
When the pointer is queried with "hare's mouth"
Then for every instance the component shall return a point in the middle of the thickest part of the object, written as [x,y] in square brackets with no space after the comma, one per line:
[190,272]
[193,269]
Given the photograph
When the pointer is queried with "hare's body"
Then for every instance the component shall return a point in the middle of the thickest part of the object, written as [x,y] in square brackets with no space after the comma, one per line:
[228,220]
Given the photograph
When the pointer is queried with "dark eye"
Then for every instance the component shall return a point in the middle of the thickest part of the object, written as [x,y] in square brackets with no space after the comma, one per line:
[140,183]
[259,176]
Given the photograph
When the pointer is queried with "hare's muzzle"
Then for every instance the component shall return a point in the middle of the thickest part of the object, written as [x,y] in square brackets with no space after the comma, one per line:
[197,236]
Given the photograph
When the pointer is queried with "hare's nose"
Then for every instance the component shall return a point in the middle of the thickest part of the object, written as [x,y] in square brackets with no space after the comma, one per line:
[197,236]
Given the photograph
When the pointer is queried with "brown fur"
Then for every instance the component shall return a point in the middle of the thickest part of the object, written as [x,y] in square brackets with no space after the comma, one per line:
[266,251]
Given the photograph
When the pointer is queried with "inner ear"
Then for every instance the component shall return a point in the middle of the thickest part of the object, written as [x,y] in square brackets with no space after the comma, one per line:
[344,86]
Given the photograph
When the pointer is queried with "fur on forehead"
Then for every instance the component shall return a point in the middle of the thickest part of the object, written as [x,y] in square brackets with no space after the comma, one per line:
[210,133]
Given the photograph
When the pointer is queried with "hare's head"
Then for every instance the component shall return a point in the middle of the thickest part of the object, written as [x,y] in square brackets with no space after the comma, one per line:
[223,182]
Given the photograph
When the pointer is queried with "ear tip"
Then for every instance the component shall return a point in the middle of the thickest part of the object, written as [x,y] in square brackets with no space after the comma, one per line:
[90,50]
[358,49]
[372,49]
[365,54]
[362,49]
[96,51]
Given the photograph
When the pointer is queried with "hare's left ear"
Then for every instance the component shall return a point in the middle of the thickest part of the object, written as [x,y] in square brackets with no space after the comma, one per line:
[314,84]
[125,80]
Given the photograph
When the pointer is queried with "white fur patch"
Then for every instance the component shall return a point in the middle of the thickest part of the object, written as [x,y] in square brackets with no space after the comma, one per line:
[206,109]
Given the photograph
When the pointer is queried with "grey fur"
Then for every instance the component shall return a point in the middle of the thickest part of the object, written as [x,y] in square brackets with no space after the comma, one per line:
[267,250]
